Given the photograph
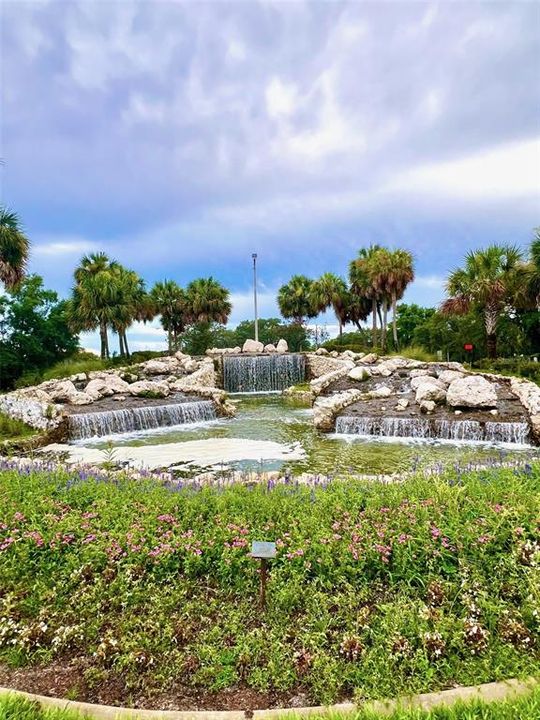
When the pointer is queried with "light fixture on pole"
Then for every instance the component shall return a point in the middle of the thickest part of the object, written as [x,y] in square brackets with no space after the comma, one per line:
[254,256]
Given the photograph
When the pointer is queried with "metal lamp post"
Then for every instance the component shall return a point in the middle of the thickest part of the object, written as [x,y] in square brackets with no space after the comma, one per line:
[254,256]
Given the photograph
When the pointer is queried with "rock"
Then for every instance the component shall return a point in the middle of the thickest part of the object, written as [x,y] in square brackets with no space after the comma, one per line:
[472,391]
[282,346]
[384,370]
[106,386]
[81,398]
[421,379]
[253,346]
[430,389]
[421,373]
[270,348]
[458,412]
[370,358]
[402,403]
[322,382]
[427,406]
[448,376]
[318,365]
[494,411]
[321,351]
[334,354]
[146,388]
[37,414]
[205,376]
[129,377]
[383,391]
[62,391]
[359,374]
[34,393]
[180,356]
[325,409]
[119,398]
[78,377]
[160,366]
[189,366]
[348,354]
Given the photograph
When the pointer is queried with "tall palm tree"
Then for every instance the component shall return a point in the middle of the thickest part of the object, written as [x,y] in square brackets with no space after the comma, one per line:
[488,282]
[14,249]
[533,271]
[170,302]
[295,299]
[94,297]
[330,290]
[131,303]
[363,282]
[401,274]
[208,301]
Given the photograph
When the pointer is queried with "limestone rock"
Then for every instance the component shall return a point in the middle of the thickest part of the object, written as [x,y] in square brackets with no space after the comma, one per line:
[147,388]
[180,356]
[270,348]
[104,387]
[321,351]
[334,354]
[322,382]
[205,376]
[370,358]
[359,374]
[427,406]
[81,398]
[62,391]
[430,390]
[402,404]
[189,366]
[472,391]
[282,346]
[420,373]
[383,391]
[318,365]
[325,409]
[160,366]
[422,379]
[448,376]
[252,346]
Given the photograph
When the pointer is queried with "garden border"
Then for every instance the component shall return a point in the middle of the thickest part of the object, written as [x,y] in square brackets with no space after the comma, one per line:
[488,692]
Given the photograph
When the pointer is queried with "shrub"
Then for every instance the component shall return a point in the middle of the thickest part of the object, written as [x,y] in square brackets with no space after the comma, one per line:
[12,428]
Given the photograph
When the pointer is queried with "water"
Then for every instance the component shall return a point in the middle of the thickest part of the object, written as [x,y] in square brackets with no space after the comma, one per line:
[287,421]
[262,373]
[112,422]
[454,430]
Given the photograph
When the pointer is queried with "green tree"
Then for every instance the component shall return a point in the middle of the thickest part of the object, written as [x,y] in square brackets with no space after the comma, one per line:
[34,331]
[400,275]
[208,301]
[408,319]
[170,303]
[131,303]
[487,282]
[14,249]
[295,299]
[365,283]
[330,290]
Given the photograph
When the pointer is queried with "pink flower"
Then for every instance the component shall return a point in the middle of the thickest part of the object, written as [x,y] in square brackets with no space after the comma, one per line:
[435,532]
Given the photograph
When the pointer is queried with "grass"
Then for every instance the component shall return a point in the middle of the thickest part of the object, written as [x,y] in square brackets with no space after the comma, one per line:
[525,707]
[11,429]
[415,352]
[376,591]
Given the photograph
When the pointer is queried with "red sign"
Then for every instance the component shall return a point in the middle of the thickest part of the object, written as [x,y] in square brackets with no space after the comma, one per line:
[468,346]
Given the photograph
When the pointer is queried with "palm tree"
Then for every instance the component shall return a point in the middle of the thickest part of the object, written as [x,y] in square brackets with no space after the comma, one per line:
[132,303]
[533,271]
[331,291]
[207,301]
[170,302]
[94,297]
[488,282]
[363,282]
[401,274]
[295,299]
[14,249]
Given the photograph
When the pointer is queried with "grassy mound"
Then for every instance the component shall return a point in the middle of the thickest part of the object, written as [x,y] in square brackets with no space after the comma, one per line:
[376,591]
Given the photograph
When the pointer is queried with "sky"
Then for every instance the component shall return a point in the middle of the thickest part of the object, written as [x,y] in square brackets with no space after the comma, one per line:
[180,137]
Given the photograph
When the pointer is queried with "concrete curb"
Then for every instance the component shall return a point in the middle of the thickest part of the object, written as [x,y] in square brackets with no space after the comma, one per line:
[489,692]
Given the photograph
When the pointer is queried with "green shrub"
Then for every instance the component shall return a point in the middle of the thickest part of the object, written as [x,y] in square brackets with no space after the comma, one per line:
[12,428]
[521,367]
[376,589]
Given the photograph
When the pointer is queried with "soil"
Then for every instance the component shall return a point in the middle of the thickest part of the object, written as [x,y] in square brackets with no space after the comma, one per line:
[66,679]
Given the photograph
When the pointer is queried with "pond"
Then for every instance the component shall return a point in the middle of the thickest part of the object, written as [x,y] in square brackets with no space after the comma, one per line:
[273,432]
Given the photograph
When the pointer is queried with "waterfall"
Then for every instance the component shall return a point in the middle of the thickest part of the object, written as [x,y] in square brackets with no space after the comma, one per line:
[507,432]
[262,373]
[112,422]
[471,430]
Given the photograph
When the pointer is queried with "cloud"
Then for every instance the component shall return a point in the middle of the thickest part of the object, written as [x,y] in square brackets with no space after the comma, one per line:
[64,247]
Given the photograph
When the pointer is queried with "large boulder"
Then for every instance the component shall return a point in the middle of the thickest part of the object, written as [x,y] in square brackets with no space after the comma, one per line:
[421,379]
[282,346]
[383,391]
[359,374]
[318,365]
[322,382]
[146,388]
[448,376]
[325,409]
[205,376]
[161,366]
[370,358]
[81,398]
[270,348]
[104,387]
[62,391]
[472,391]
[430,389]
[253,346]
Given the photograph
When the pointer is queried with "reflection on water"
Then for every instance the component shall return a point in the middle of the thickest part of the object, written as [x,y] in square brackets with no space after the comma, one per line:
[283,420]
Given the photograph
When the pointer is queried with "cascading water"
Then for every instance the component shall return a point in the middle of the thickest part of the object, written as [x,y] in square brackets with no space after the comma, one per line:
[112,422]
[471,430]
[262,373]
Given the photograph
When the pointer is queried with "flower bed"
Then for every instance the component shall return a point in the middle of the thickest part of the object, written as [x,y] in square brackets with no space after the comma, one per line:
[146,592]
